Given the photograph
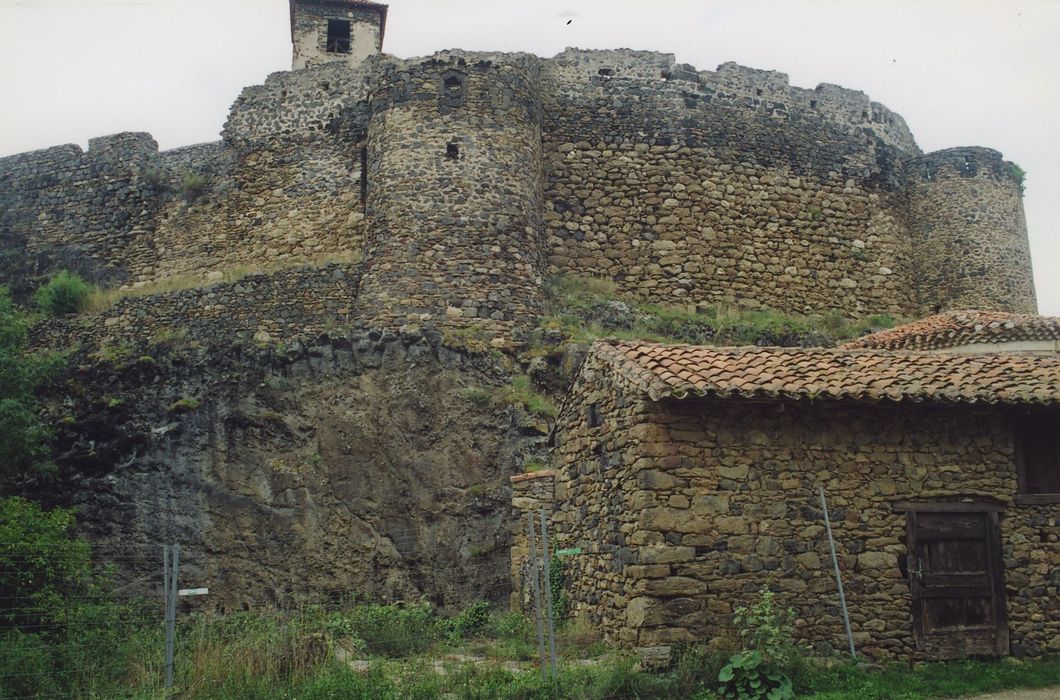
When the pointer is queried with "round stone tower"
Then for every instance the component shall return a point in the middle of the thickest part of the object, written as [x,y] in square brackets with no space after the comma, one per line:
[454,193]
[970,247]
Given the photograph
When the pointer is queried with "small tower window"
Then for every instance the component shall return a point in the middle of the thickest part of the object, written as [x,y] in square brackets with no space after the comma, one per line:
[452,150]
[454,86]
[452,90]
[338,36]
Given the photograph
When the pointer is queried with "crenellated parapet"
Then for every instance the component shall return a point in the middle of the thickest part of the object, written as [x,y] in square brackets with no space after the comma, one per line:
[969,233]
[462,178]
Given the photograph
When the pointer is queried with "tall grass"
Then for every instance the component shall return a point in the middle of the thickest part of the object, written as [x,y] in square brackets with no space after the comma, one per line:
[102,299]
[583,310]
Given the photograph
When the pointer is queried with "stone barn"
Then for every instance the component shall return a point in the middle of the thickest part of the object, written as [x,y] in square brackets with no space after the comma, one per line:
[687,478]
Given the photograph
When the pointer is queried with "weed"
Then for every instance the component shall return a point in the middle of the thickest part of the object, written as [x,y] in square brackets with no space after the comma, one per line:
[519,392]
[193,186]
[1016,173]
[183,405]
[482,398]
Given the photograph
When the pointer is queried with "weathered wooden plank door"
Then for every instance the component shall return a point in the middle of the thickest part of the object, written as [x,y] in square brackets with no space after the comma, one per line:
[956,578]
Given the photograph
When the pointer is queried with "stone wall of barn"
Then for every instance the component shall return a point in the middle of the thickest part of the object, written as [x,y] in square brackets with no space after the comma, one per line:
[685,509]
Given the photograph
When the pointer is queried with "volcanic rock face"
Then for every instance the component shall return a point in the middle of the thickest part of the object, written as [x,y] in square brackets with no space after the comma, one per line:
[352,466]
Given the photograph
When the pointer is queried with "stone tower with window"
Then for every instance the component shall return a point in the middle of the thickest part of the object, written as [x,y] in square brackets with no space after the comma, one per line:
[328,31]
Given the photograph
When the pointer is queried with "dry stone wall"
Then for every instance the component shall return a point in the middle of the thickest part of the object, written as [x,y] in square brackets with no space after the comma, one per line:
[969,232]
[685,509]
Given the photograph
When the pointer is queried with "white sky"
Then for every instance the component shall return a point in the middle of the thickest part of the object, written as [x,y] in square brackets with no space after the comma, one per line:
[961,72]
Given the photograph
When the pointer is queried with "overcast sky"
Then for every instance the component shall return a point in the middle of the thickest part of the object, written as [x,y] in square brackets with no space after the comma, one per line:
[966,72]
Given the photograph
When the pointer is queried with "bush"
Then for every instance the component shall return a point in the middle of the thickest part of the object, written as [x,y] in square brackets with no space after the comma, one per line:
[54,612]
[65,293]
[193,186]
[391,630]
[25,441]
[471,621]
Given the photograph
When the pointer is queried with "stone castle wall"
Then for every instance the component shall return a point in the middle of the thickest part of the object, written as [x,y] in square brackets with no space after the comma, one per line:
[299,302]
[969,232]
[724,187]
[454,192]
[684,186]
[85,208]
[685,509]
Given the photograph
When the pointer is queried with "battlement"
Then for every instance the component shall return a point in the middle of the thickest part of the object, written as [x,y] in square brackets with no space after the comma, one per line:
[966,161]
[756,90]
[461,178]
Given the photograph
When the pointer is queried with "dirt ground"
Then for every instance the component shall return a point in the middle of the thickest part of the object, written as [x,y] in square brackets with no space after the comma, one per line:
[1040,694]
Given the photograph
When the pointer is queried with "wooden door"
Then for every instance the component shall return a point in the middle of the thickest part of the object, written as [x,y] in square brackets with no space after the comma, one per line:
[955,575]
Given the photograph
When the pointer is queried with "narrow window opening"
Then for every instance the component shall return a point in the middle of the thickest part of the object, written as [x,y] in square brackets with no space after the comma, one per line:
[338,36]
[452,151]
[593,416]
[813,104]
[1038,452]
[451,91]
[454,86]
[606,71]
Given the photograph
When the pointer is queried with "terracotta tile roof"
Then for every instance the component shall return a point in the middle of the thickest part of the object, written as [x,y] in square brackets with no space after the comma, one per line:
[962,328]
[866,375]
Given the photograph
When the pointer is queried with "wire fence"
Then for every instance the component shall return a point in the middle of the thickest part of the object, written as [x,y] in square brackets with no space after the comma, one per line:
[156,625]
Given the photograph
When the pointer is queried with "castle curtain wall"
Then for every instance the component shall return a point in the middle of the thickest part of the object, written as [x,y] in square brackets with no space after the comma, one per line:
[463,178]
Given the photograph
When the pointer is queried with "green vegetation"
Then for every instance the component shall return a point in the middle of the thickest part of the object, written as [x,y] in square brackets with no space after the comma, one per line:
[65,293]
[1017,173]
[193,186]
[25,440]
[518,392]
[60,635]
[102,299]
[183,405]
[586,310]
[769,650]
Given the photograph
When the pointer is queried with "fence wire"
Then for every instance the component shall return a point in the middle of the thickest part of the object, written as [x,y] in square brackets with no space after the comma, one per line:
[94,639]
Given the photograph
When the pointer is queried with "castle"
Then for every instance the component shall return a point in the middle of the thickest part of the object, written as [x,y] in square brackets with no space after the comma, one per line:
[444,189]
[360,203]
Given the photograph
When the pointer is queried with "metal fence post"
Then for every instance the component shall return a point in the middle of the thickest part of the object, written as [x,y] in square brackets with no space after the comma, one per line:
[536,579]
[548,595]
[838,579]
[169,583]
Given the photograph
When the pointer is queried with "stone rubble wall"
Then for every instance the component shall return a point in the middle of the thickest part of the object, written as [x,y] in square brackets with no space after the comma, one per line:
[260,308]
[454,195]
[969,232]
[723,187]
[726,187]
[87,207]
[530,493]
[592,511]
[696,505]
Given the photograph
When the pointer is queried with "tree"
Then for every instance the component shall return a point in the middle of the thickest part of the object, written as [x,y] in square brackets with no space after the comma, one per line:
[25,440]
